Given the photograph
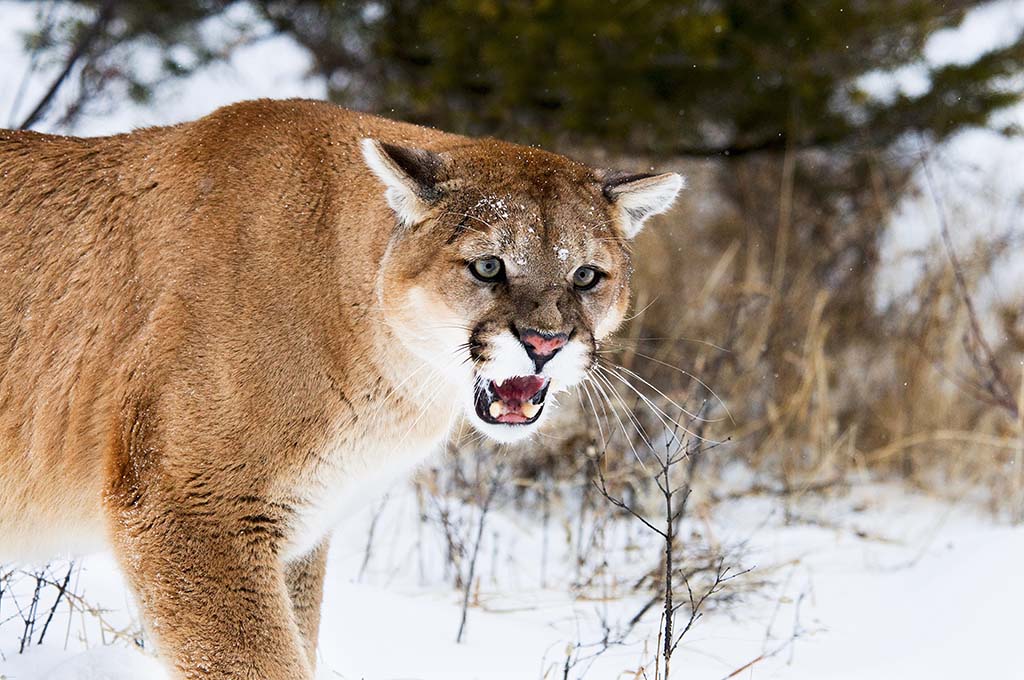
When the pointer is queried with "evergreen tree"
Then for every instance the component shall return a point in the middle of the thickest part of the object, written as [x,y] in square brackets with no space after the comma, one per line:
[668,77]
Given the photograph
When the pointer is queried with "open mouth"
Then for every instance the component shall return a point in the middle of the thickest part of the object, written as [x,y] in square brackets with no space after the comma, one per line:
[514,401]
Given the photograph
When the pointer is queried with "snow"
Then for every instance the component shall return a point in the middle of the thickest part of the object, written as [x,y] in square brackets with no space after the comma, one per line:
[498,206]
[928,593]
[879,583]
[994,25]
[922,576]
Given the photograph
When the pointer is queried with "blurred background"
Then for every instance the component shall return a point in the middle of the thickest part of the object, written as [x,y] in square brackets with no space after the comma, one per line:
[832,314]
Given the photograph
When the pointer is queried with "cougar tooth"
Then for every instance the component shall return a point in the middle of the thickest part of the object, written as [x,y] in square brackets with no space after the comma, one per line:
[496,408]
[530,409]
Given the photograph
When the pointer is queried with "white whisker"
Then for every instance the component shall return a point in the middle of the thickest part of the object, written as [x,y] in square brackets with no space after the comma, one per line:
[637,425]
[597,419]
[629,440]
[671,425]
[660,414]
[703,384]
[694,416]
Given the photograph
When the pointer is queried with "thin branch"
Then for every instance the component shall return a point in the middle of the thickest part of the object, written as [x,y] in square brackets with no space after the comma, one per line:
[60,595]
[369,538]
[485,506]
[624,506]
[994,383]
[82,48]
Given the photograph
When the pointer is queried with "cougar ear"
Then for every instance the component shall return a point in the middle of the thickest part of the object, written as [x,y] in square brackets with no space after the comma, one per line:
[639,196]
[411,176]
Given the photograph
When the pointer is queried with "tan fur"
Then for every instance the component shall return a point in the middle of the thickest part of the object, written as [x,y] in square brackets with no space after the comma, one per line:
[211,332]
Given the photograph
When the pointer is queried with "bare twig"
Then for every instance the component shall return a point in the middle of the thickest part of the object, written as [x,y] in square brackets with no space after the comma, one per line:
[993,381]
[60,595]
[368,552]
[30,619]
[484,507]
[81,48]
[674,497]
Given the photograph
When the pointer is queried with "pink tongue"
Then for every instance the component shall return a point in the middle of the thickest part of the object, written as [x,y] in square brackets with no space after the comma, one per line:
[519,389]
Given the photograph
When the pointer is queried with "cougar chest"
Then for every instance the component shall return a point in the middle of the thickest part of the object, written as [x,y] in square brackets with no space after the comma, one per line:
[358,465]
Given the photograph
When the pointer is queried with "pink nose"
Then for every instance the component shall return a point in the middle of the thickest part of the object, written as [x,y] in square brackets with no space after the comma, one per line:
[543,344]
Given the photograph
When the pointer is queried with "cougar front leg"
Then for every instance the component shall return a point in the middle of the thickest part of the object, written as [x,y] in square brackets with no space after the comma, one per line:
[305,579]
[212,591]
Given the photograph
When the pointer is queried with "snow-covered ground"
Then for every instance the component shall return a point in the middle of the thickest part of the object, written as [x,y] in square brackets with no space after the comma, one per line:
[879,583]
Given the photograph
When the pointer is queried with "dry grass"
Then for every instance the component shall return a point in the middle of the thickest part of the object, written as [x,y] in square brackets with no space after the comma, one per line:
[820,383]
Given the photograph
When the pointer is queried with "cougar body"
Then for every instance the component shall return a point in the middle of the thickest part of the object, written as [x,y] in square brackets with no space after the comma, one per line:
[218,338]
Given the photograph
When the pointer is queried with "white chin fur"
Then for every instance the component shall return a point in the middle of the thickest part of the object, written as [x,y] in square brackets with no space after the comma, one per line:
[506,434]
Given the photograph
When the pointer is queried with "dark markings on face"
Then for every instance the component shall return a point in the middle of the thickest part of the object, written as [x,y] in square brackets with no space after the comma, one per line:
[460,228]
[476,343]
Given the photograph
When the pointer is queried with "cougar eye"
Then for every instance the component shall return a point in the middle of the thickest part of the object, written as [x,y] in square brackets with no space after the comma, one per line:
[488,269]
[585,278]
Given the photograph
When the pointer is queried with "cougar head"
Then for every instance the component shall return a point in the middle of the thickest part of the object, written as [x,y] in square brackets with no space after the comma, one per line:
[507,266]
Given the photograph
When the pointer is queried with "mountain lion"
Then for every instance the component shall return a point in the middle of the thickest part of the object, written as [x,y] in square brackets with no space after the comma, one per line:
[218,338]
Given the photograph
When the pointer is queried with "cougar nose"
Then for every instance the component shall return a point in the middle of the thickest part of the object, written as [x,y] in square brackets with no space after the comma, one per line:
[541,346]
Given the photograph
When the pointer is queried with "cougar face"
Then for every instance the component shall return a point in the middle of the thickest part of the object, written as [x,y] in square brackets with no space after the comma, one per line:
[506,269]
